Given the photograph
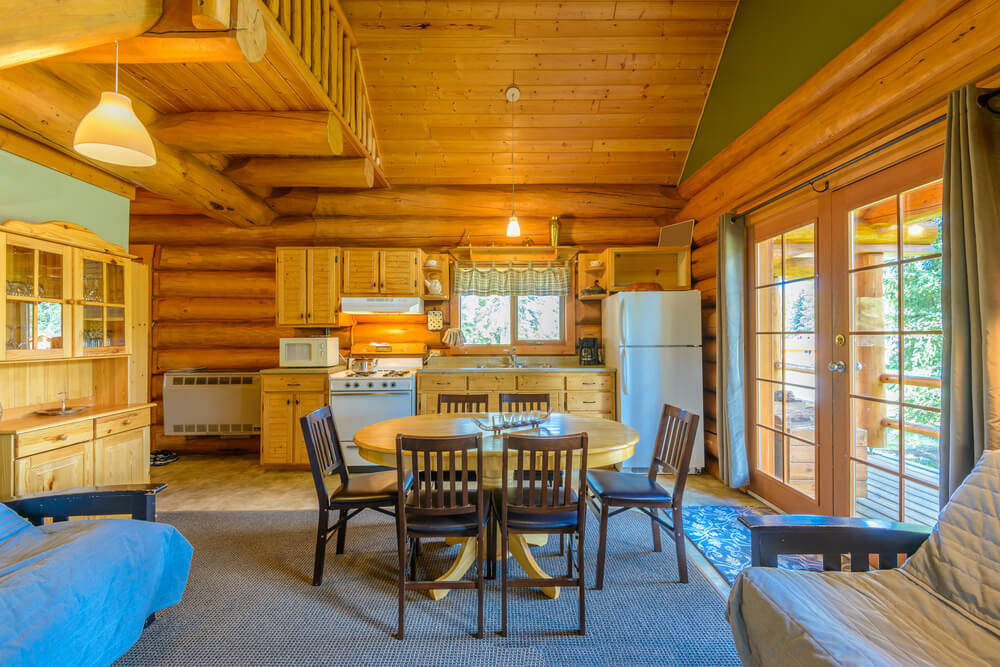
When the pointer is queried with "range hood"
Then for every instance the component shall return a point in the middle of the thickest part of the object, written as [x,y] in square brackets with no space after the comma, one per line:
[381,305]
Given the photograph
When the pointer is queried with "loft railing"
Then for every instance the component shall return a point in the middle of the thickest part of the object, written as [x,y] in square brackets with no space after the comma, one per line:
[320,32]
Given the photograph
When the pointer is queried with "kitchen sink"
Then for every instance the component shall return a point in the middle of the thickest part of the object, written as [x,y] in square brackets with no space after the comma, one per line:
[59,412]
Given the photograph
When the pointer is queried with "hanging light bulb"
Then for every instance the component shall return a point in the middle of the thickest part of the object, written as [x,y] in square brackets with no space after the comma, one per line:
[112,132]
[513,228]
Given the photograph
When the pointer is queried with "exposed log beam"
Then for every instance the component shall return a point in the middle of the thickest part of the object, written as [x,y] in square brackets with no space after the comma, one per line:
[177,38]
[312,133]
[583,201]
[35,29]
[305,172]
[46,107]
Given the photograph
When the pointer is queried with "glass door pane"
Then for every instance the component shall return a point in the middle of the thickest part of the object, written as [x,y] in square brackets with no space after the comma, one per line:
[895,346]
[50,275]
[114,326]
[116,284]
[20,271]
[93,280]
[93,326]
[20,316]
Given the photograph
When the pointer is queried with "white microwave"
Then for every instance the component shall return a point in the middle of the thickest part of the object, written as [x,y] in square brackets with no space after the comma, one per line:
[309,352]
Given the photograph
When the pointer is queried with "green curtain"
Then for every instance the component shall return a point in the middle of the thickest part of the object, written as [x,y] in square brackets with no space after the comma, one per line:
[971,291]
[730,342]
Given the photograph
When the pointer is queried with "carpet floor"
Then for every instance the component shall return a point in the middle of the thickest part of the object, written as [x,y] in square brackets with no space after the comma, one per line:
[249,602]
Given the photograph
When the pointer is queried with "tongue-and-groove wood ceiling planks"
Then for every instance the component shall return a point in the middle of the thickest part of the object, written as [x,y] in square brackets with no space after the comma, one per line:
[610,91]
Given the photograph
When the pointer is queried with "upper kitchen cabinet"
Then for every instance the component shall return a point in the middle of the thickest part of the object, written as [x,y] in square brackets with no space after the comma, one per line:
[101,310]
[369,272]
[308,287]
[37,295]
[66,292]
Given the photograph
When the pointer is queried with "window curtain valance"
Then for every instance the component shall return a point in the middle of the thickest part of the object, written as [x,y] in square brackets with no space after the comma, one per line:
[512,280]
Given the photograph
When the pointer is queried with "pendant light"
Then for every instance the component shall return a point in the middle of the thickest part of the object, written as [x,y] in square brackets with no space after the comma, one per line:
[113,133]
[513,228]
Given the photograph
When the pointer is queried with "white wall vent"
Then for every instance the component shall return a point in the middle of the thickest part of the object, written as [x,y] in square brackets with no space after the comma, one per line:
[211,403]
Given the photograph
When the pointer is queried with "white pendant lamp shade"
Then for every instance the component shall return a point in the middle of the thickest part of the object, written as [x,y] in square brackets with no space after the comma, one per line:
[113,133]
[513,228]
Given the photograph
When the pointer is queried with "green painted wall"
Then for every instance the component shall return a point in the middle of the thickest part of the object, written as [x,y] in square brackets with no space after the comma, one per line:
[774,46]
[33,193]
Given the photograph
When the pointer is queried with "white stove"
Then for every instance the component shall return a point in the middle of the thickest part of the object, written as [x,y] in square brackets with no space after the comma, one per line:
[359,399]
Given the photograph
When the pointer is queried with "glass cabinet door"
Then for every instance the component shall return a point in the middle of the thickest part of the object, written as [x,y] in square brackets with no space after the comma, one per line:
[36,299]
[102,295]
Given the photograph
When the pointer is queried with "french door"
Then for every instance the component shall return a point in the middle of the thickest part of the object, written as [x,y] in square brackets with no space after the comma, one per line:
[845,357]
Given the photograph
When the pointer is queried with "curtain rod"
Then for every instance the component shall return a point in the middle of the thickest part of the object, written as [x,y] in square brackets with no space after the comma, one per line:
[811,182]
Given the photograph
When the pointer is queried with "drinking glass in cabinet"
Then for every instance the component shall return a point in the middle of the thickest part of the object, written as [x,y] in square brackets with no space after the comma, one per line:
[93,326]
[20,271]
[115,326]
[19,320]
[93,280]
[50,275]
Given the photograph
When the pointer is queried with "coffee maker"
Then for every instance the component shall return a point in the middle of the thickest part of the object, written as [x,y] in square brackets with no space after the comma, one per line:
[589,349]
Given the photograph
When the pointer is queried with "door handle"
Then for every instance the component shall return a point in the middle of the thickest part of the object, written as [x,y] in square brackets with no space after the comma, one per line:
[837,366]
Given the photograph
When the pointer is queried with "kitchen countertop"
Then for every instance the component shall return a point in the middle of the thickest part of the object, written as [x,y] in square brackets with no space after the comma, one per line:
[326,370]
[35,422]
[509,369]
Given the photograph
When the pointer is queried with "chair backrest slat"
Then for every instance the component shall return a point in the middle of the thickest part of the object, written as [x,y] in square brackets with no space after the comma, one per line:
[462,403]
[546,493]
[674,445]
[523,402]
[326,459]
[435,492]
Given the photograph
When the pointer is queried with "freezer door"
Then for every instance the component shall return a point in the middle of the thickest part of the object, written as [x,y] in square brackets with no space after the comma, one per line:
[650,377]
[658,318]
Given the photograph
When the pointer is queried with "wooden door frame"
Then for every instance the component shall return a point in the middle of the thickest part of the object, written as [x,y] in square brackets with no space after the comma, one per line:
[767,225]
[917,170]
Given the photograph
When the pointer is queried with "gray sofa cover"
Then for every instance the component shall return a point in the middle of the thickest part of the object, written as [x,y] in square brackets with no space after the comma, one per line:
[942,607]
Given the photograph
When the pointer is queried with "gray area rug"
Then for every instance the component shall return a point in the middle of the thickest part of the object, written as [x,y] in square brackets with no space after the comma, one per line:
[249,601]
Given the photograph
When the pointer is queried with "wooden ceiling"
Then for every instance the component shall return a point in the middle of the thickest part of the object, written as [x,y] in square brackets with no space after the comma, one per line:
[611,92]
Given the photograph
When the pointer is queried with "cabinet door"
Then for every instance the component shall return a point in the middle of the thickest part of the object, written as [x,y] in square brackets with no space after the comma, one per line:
[37,293]
[276,423]
[399,270]
[64,468]
[361,268]
[291,286]
[122,458]
[305,403]
[102,321]
[324,286]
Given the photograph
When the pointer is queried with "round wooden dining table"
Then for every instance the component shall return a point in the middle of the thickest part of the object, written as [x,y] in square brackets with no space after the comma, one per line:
[608,442]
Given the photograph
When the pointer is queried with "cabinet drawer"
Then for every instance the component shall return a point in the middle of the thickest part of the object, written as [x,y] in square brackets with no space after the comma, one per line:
[55,436]
[312,382]
[126,421]
[599,415]
[491,381]
[541,381]
[590,381]
[439,381]
[589,401]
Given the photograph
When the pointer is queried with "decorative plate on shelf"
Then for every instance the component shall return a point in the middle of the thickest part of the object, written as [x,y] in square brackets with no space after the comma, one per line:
[435,319]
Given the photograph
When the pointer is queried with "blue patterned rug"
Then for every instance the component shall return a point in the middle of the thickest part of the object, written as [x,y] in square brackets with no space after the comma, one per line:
[717,533]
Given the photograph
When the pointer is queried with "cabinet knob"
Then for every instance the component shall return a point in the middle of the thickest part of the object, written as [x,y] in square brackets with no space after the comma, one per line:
[127,421]
[62,436]
[296,401]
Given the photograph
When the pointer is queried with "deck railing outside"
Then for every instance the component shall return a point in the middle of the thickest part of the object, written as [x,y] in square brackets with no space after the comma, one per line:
[320,32]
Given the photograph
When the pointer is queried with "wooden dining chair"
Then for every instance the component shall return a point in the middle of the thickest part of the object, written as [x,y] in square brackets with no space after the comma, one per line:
[671,454]
[352,495]
[523,402]
[461,403]
[539,502]
[441,504]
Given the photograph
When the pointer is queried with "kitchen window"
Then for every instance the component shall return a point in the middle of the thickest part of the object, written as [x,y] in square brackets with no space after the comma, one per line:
[513,305]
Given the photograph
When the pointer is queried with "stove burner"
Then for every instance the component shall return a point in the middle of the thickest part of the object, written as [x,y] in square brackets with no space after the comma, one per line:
[360,374]
[396,374]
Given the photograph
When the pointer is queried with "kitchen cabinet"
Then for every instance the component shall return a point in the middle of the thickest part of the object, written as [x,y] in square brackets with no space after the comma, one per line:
[37,295]
[307,282]
[101,295]
[385,272]
[286,398]
[617,268]
[97,446]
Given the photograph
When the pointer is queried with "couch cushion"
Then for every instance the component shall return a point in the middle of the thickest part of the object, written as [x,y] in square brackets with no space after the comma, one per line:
[789,617]
[960,561]
[11,523]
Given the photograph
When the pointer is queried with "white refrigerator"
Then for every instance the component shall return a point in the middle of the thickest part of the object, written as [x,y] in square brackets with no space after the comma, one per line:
[653,341]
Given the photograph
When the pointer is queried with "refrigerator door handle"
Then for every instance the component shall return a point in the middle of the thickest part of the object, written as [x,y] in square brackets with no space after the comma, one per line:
[621,322]
[622,365]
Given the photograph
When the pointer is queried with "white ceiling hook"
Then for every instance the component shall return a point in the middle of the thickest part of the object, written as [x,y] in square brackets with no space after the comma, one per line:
[513,94]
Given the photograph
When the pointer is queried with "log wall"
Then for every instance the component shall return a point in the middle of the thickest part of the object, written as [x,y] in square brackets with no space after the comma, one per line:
[213,293]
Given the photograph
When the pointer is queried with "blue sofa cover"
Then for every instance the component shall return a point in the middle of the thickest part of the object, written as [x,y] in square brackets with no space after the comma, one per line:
[79,592]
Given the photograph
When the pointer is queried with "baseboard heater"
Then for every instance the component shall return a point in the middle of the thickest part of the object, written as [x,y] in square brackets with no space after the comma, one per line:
[215,403]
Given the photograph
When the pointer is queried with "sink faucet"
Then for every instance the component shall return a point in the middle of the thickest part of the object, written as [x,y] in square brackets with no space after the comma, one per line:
[512,357]
[63,395]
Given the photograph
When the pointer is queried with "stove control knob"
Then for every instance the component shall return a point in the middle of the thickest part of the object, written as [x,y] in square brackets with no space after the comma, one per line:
[385,384]
[392,384]
[357,384]
[371,384]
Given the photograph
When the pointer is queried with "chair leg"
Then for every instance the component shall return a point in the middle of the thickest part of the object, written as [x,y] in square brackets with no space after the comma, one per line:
[480,585]
[342,532]
[602,547]
[320,558]
[562,543]
[413,559]
[657,545]
[491,549]
[503,582]
[569,556]
[682,564]
[401,547]
[582,587]
[419,546]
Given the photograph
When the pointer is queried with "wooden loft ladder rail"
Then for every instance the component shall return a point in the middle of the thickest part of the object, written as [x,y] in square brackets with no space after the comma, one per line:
[318,30]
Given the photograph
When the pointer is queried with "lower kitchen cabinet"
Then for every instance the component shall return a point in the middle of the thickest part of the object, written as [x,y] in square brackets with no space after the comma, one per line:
[107,446]
[285,399]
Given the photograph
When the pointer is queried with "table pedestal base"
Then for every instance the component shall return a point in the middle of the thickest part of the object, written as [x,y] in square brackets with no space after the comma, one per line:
[519,549]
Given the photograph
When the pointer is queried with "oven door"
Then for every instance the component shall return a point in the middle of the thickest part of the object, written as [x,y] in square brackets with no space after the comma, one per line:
[354,411]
